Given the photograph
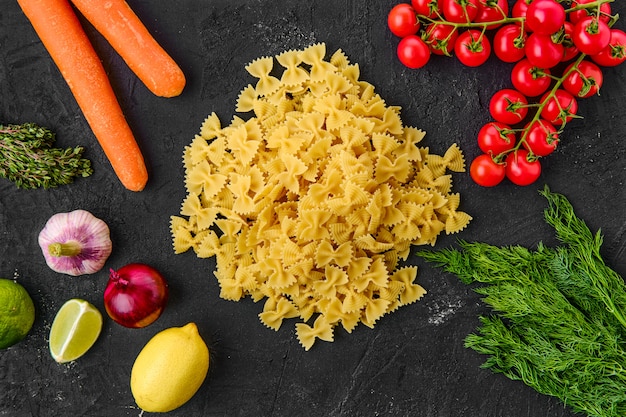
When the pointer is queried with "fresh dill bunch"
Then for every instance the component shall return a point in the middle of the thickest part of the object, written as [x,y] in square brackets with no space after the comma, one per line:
[29,160]
[558,313]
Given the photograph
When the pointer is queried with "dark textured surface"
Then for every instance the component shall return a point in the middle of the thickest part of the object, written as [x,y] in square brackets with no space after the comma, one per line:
[413,362]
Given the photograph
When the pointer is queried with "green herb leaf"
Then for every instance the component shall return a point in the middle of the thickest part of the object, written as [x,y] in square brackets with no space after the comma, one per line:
[558,321]
[28,158]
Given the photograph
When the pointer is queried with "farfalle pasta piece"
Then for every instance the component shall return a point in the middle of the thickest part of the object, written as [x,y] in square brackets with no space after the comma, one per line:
[391,292]
[399,169]
[374,310]
[340,232]
[331,310]
[314,56]
[377,275]
[274,312]
[183,239]
[313,225]
[452,160]
[197,152]
[370,244]
[412,137]
[293,74]
[240,187]
[349,321]
[247,99]
[352,73]
[333,277]
[328,255]
[277,276]
[426,179]
[357,267]
[321,330]
[260,68]
[314,199]
[246,276]
[390,122]
[230,290]
[205,216]
[411,292]
[284,141]
[354,137]
[384,144]
[353,197]
[374,107]
[207,245]
[265,110]
[456,222]
[289,178]
[339,59]
[336,116]
[353,301]
[243,147]
[211,127]
[337,83]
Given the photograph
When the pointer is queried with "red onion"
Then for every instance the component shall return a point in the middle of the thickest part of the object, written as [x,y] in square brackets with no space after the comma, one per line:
[135,295]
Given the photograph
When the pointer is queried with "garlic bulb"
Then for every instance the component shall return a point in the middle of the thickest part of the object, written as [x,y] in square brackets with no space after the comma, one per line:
[75,243]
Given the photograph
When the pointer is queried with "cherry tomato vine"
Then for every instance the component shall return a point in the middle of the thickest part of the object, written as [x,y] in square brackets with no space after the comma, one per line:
[539,37]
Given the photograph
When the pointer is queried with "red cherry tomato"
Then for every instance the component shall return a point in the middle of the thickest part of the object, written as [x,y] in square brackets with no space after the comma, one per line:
[541,138]
[508,43]
[402,20]
[519,8]
[542,51]
[486,172]
[591,35]
[441,38]
[584,81]
[492,11]
[545,17]
[460,11]
[570,51]
[472,48]
[558,108]
[530,80]
[508,106]
[615,52]
[495,138]
[413,52]
[521,168]
[576,15]
[428,8]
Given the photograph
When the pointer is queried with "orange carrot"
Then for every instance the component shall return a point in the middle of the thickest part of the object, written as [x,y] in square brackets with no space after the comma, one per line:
[121,27]
[62,35]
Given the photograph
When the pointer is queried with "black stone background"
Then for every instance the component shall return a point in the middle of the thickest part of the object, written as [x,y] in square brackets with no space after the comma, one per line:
[413,362]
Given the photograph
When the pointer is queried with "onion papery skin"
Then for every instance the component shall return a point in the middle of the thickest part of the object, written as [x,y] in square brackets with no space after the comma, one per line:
[135,295]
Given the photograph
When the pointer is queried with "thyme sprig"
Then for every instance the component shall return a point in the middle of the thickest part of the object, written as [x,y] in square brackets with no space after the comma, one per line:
[28,158]
[558,321]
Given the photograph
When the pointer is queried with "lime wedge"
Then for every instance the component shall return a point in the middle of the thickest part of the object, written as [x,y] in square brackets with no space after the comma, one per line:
[74,330]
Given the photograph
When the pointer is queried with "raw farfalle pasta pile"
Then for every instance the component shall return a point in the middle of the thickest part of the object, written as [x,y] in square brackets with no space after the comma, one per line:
[312,202]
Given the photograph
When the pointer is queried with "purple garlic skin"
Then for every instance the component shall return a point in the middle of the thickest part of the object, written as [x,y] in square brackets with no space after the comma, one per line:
[75,243]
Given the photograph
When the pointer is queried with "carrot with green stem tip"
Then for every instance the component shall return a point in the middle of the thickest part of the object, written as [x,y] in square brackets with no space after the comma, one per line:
[121,27]
[62,35]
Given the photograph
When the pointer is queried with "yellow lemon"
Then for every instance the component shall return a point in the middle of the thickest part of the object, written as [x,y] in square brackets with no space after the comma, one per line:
[17,313]
[75,329]
[170,369]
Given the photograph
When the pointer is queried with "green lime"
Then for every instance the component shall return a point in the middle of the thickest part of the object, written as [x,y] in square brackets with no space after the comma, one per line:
[75,329]
[17,313]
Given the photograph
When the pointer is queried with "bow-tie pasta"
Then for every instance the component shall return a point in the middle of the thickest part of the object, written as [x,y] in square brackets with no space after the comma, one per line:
[314,200]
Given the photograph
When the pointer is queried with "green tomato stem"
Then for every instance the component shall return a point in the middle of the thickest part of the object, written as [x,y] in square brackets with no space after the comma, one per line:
[588,5]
